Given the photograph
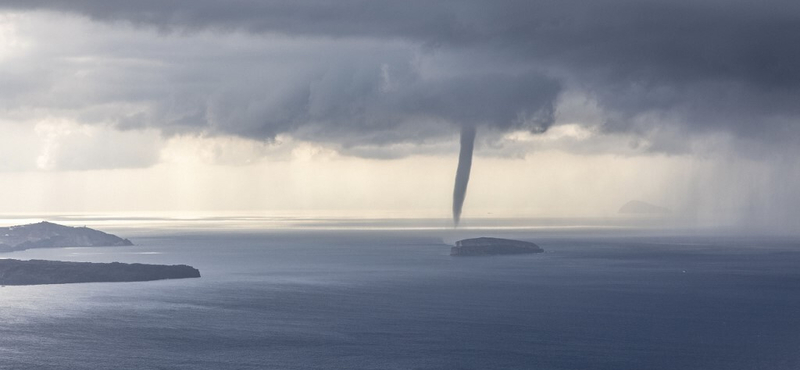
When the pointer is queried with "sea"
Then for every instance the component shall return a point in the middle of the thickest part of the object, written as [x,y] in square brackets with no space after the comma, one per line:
[316,294]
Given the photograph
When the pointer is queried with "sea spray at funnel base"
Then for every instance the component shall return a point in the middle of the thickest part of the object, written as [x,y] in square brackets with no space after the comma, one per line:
[462,173]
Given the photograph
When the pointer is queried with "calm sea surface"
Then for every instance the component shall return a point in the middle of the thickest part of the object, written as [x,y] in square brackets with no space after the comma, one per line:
[327,299]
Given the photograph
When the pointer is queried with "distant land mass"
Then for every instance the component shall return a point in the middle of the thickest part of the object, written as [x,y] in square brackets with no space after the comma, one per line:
[492,246]
[49,235]
[39,272]
[643,208]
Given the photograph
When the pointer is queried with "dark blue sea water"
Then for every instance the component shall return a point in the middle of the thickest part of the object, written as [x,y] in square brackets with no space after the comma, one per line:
[397,300]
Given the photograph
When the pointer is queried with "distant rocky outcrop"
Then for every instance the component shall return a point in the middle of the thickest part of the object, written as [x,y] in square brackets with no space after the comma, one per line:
[37,272]
[49,235]
[637,207]
[492,246]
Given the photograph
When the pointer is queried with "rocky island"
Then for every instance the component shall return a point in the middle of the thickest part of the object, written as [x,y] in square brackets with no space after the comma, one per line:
[49,235]
[492,246]
[38,272]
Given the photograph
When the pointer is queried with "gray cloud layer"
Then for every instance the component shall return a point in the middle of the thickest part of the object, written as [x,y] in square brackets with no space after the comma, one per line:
[698,66]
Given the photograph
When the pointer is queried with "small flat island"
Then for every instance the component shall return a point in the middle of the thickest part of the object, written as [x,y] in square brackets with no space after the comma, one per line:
[38,272]
[493,246]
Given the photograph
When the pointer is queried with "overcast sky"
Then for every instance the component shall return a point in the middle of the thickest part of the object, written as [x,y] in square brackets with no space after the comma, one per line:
[356,105]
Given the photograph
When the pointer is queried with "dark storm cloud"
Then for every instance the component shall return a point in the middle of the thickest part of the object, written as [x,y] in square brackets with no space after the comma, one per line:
[708,65]
[371,102]
[501,101]
[751,41]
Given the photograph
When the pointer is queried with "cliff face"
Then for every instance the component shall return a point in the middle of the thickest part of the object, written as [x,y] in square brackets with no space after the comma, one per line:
[492,246]
[37,272]
[49,235]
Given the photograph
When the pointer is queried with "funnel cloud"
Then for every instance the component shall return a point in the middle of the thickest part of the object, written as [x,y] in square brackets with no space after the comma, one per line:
[462,173]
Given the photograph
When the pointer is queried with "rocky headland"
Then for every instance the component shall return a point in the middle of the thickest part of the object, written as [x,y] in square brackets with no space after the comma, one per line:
[49,235]
[38,272]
